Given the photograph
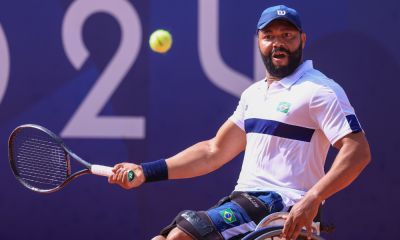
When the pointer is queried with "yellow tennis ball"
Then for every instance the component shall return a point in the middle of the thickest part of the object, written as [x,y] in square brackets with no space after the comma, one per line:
[160,41]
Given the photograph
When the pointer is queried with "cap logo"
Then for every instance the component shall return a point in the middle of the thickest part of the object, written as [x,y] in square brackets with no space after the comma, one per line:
[281,12]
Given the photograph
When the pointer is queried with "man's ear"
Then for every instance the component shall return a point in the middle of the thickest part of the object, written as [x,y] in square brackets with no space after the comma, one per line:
[303,39]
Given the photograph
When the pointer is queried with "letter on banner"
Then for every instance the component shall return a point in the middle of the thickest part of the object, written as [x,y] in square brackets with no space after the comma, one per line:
[86,122]
[216,70]
[4,63]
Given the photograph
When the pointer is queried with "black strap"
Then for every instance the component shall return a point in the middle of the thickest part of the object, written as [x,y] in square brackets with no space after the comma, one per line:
[198,225]
[253,206]
[318,217]
[169,228]
[198,222]
[189,223]
[327,227]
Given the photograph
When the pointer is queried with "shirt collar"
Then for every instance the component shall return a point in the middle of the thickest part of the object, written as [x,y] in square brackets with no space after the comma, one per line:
[288,81]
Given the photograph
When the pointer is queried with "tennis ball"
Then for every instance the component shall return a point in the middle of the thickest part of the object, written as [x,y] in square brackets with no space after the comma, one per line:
[160,41]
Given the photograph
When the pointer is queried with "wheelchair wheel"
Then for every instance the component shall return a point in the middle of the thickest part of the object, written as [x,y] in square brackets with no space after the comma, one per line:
[275,233]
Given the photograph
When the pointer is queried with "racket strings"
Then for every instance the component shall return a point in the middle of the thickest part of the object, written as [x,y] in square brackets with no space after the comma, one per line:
[39,156]
[26,168]
[38,147]
[39,159]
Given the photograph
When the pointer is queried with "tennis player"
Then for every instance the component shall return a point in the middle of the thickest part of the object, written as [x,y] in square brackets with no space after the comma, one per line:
[286,123]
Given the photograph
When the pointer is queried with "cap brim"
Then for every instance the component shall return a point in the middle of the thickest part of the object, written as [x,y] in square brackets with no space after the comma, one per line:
[285,18]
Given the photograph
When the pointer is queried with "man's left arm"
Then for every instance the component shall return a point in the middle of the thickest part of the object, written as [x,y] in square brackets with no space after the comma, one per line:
[354,154]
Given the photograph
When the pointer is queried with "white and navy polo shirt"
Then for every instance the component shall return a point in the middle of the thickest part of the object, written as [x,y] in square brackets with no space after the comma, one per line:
[289,128]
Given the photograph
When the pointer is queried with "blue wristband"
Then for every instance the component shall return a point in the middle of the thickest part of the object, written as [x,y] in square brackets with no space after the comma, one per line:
[155,171]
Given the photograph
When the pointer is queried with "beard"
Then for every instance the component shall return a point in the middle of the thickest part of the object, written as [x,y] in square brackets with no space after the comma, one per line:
[283,71]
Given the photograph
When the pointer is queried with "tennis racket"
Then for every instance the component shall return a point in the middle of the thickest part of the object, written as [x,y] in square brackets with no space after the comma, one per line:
[41,161]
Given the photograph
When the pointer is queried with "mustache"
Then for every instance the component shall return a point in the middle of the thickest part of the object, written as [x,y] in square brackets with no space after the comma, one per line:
[280,49]
[294,58]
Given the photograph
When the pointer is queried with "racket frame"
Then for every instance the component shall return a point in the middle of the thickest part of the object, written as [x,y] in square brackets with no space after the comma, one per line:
[67,152]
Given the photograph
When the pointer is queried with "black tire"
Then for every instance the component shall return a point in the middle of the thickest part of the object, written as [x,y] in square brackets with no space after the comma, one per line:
[276,231]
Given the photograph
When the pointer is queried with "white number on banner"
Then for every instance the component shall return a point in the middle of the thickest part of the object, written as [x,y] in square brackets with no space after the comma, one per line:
[4,63]
[216,70]
[86,122]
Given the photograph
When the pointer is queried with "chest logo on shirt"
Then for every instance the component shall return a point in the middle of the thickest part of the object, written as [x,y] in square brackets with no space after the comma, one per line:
[228,215]
[283,107]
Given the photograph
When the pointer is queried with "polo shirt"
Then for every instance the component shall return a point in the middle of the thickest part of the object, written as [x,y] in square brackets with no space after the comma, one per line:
[289,127]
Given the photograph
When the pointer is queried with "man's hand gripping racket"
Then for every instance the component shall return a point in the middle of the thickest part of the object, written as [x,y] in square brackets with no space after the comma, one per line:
[41,161]
[124,171]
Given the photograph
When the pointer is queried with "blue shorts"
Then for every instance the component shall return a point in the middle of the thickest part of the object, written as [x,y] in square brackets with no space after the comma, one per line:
[234,223]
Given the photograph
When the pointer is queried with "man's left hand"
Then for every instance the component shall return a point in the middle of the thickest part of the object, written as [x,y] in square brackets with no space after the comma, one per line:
[302,214]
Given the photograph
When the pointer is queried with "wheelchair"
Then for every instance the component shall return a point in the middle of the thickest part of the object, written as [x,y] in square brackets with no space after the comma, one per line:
[270,228]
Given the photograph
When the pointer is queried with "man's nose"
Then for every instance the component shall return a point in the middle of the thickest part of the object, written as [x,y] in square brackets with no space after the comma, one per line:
[278,43]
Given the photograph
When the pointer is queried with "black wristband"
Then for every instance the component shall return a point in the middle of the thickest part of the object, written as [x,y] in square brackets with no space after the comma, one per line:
[155,171]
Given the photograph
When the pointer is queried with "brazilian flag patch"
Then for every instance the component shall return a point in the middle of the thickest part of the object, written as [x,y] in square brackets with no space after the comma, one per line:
[228,215]
[283,107]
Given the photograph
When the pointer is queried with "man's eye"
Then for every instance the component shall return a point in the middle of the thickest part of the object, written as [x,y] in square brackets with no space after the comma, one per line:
[268,37]
[287,34]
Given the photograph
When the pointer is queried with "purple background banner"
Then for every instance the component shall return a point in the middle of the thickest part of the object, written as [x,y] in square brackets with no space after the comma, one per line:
[59,57]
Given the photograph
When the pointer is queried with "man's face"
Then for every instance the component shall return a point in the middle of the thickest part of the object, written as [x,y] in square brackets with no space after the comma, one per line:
[281,46]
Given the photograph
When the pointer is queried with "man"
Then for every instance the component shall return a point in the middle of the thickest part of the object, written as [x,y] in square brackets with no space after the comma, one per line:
[285,123]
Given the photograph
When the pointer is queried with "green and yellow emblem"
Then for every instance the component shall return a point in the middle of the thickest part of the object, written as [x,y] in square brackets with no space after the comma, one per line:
[283,107]
[228,215]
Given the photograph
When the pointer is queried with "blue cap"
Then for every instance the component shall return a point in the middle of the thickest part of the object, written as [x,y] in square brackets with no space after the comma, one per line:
[279,12]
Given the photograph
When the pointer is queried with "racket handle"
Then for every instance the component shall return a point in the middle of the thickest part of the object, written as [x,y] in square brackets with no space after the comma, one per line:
[106,171]
[102,170]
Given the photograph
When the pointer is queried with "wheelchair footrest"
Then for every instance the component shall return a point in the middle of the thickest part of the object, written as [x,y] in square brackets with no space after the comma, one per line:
[327,227]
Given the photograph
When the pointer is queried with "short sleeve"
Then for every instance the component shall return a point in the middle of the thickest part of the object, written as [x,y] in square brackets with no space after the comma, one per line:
[238,115]
[331,111]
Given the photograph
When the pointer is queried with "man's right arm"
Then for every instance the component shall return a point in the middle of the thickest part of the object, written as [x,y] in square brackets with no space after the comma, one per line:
[207,156]
[197,160]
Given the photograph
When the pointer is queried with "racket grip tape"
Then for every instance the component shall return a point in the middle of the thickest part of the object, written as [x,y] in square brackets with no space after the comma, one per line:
[101,170]
[106,171]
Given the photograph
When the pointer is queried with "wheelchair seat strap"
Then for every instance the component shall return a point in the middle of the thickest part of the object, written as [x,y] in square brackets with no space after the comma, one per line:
[253,206]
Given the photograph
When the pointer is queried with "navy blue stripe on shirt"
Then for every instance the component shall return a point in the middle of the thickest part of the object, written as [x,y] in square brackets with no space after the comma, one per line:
[278,129]
[353,122]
